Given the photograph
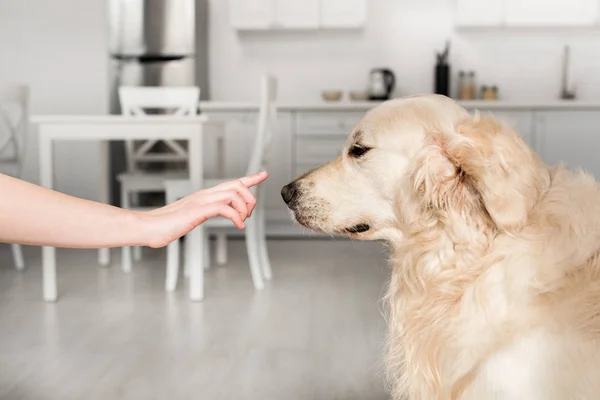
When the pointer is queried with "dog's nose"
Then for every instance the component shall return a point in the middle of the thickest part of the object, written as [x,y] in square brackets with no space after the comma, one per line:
[288,192]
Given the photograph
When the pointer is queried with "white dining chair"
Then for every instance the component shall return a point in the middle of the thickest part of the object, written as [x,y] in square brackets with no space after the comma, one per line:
[138,101]
[255,232]
[14,117]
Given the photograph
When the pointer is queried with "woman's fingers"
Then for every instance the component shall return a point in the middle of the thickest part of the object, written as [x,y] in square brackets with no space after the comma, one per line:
[241,189]
[255,179]
[230,197]
[223,210]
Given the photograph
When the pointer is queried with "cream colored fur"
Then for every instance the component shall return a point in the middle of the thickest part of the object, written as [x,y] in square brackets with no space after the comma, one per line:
[495,287]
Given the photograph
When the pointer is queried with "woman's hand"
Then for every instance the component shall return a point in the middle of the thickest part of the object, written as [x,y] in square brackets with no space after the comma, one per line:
[232,200]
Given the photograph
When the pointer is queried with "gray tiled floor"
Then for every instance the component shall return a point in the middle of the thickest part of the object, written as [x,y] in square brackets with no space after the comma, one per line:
[316,332]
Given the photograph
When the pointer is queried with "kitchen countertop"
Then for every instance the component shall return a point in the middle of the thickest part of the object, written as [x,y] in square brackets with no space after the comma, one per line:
[320,106]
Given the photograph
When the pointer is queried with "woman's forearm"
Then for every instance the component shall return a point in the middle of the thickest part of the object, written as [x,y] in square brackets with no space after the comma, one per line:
[33,215]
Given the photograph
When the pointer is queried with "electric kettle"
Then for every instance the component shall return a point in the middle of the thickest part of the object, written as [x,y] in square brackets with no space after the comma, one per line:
[381,84]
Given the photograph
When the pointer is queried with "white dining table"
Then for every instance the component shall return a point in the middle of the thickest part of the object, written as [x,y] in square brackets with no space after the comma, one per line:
[104,128]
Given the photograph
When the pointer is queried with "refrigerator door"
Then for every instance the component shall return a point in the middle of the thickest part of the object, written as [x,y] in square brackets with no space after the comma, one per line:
[152,27]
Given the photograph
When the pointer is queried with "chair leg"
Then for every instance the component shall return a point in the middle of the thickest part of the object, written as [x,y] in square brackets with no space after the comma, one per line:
[186,260]
[137,253]
[221,252]
[252,247]
[17,253]
[173,250]
[206,242]
[126,259]
[125,251]
[265,262]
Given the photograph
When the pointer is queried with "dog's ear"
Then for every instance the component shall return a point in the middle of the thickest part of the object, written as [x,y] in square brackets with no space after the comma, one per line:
[483,164]
[440,184]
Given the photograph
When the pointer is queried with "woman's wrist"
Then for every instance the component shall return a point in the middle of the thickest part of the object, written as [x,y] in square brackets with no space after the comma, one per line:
[136,225]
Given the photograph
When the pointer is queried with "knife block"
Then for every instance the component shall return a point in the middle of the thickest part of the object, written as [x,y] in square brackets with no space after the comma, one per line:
[442,79]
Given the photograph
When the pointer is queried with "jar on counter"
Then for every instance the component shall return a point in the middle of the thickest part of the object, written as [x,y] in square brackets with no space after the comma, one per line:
[467,89]
[461,82]
[489,93]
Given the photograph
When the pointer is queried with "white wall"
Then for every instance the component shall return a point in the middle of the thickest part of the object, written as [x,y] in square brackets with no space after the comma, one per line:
[403,35]
[59,49]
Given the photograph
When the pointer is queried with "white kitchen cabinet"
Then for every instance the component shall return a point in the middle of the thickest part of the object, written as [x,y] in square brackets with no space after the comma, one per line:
[319,137]
[312,152]
[328,122]
[470,13]
[252,14]
[535,13]
[297,14]
[343,13]
[572,138]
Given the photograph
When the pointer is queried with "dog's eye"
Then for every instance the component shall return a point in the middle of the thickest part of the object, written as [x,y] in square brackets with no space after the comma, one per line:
[358,151]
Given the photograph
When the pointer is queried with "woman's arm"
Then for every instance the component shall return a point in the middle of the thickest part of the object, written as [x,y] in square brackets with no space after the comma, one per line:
[33,215]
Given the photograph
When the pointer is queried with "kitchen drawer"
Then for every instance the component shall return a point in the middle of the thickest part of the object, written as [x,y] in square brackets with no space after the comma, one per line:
[340,123]
[318,151]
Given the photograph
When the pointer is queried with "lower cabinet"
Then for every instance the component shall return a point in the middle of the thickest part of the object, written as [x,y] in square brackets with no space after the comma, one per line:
[321,137]
[572,138]
[305,140]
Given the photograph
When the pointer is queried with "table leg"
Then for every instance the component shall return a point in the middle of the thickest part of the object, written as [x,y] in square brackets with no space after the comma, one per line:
[196,236]
[104,254]
[48,253]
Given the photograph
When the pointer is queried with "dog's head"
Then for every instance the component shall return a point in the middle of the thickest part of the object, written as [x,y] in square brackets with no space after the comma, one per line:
[417,157]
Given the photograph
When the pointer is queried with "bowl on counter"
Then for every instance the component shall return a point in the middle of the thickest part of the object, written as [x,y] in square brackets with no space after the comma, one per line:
[358,95]
[331,95]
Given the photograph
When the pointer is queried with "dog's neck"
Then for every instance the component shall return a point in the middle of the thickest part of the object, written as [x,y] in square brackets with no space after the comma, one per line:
[437,246]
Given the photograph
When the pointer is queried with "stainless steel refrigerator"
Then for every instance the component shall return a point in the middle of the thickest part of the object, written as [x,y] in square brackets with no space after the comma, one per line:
[154,43]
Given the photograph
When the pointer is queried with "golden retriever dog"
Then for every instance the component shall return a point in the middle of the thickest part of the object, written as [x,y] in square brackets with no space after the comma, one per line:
[495,286]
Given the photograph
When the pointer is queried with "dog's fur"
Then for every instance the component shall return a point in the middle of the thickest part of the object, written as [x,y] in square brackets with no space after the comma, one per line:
[495,287]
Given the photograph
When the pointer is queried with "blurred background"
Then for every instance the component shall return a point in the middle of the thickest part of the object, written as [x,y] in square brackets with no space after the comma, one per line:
[308,324]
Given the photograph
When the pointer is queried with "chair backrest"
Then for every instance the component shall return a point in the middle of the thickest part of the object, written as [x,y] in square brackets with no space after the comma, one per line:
[14,118]
[181,100]
[267,116]
[144,100]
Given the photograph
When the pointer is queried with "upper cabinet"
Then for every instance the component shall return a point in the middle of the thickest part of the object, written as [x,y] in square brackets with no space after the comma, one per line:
[534,13]
[479,13]
[527,13]
[252,14]
[297,14]
[343,13]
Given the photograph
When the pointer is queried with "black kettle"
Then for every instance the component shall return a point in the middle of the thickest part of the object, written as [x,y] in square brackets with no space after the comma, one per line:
[381,84]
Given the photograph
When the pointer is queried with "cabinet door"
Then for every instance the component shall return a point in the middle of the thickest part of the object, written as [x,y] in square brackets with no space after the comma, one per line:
[297,14]
[572,138]
[343,13]
[479,13]
[252,14]
[551,12]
